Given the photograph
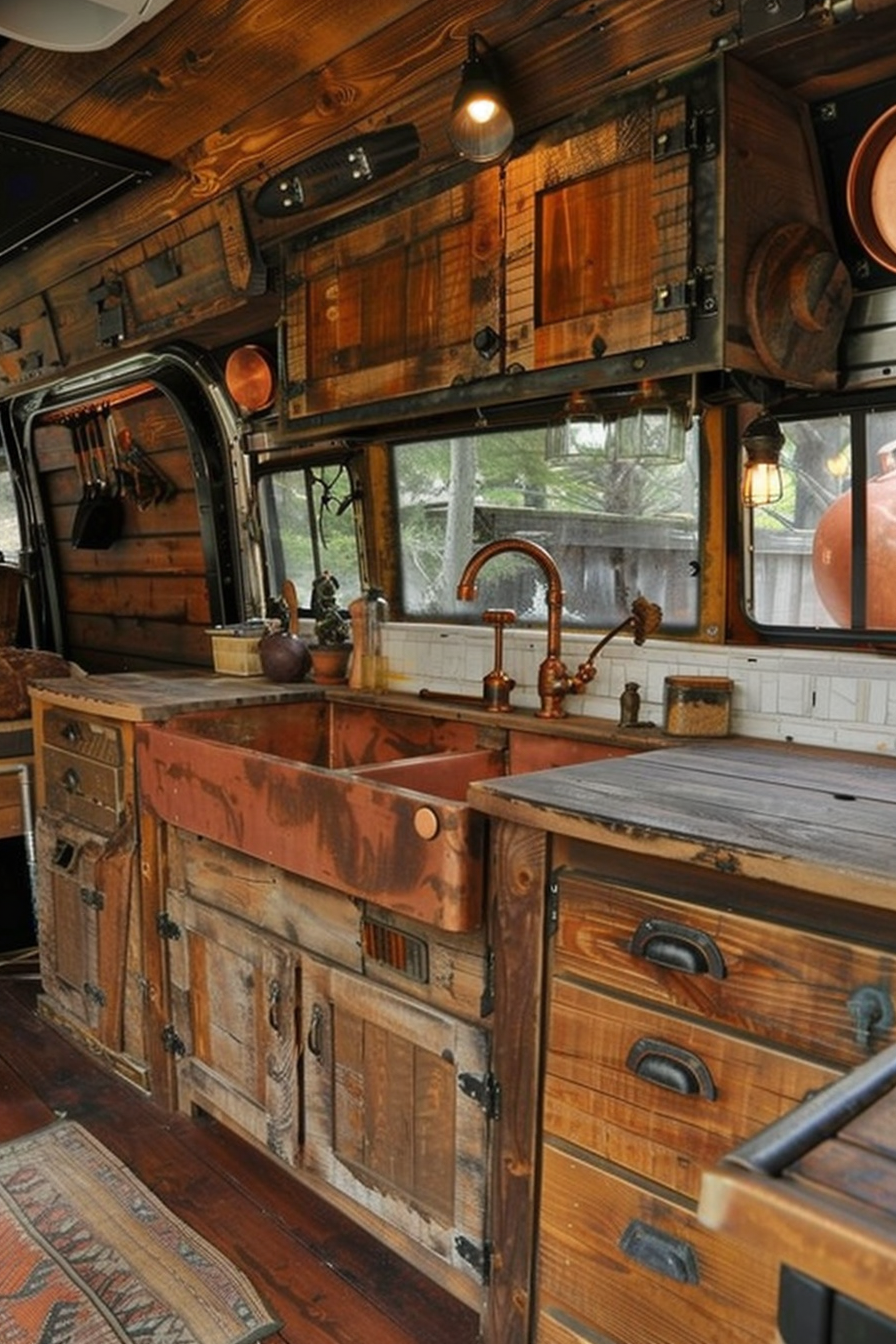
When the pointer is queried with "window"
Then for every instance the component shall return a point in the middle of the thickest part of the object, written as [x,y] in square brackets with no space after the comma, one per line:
[823,557]
[617,506]
[308,525]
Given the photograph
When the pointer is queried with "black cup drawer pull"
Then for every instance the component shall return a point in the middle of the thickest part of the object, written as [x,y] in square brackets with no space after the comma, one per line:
[670,1256]
[672,1067]
[678,947]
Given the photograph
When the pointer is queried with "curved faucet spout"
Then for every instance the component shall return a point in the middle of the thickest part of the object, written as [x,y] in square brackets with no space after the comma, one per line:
[553,677]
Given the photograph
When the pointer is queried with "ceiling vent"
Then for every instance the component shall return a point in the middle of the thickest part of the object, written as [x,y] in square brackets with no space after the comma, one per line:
[74,25]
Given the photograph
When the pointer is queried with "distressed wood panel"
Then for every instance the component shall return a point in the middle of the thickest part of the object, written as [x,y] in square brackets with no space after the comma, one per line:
[787,983]
[595,1099]
[595,225]
[386,1122]
[234,999]
[391,308]
[586,1279]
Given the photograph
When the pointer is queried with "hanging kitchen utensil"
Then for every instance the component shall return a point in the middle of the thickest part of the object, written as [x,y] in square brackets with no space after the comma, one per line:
[146,483]
[99,516]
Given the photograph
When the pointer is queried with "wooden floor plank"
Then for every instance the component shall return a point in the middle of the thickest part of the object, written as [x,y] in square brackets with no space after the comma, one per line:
[328,1281]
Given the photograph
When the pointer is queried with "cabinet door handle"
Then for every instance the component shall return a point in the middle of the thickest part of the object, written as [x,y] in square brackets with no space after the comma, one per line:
[274,1006]
[672,1067]
[71,780]
[678,947]
[316,1031]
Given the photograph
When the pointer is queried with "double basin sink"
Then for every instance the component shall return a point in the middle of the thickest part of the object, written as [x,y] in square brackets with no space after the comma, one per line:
[360,797]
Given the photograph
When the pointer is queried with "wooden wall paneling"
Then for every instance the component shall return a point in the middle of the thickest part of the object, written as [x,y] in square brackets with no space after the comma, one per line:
[28,345]
[188,272]
[144,602]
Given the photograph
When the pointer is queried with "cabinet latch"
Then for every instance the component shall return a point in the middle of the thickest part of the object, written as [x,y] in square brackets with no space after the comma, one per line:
[94,994]
[167,927]
[695,134]
[479,1256]
[172,1043]
[695,292]
[92,898]
[484,1089]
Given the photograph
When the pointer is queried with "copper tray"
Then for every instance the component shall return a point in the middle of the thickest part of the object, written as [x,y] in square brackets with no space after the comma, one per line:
[871,190]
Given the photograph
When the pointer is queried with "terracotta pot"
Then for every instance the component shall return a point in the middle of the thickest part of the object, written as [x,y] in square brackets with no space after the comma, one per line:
[329,663]
[832,556]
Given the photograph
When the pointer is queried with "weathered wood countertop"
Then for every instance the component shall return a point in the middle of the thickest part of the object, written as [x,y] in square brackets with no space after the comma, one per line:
[144,696]
[818,820]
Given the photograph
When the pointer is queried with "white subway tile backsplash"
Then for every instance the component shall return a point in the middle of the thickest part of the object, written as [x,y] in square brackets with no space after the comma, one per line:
[846,700]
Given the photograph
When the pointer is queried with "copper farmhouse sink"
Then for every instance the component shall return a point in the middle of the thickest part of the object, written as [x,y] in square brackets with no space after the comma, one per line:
[369,800]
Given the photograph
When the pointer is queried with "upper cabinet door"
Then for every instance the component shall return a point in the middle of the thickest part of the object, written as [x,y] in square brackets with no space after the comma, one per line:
[599,238]
[394,306]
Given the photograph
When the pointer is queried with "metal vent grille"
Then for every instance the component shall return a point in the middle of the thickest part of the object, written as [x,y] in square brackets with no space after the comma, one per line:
[399,951]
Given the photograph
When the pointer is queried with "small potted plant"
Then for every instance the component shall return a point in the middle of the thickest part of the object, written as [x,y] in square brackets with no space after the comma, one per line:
[332,647]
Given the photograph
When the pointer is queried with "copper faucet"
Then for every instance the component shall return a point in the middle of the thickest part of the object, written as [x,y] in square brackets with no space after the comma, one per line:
[554,680]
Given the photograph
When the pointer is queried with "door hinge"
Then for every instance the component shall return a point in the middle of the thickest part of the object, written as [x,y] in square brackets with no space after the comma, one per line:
[487,1001]
[479,1256]
[695,292]
[172,1043]
[94,994]
[483,1089]
[167,927]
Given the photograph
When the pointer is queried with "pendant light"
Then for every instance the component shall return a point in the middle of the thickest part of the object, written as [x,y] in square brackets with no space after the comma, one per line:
[762,482]
[578,428]
[481,127]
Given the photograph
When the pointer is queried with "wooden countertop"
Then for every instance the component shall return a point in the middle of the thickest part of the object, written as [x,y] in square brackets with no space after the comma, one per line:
[821,821]
[142,697]
[818,1188]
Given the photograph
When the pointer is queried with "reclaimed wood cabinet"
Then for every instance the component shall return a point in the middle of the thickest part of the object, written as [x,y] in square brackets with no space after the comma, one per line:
[680,959]
[674,233]
[680,227]
[88,881]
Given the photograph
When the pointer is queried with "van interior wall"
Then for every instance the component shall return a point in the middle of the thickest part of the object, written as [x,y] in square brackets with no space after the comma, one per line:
[143,603]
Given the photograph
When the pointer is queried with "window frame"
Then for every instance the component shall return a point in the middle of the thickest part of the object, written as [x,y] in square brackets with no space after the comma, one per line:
[743,628]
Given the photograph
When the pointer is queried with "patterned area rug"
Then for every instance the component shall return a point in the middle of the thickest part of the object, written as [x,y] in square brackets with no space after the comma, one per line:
[88,1255]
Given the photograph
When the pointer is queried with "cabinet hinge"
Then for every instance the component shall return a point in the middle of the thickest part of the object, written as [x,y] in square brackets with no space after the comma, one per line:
[167,927]
[172,1043]
[695,292]
[487,1002]
[479,1256]
[483,1089]
[94,994]
[92,898]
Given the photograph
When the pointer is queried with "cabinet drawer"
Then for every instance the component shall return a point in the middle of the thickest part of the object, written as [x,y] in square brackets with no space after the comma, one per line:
[83,765]
[620,1261]
[790,986]
[661,1095]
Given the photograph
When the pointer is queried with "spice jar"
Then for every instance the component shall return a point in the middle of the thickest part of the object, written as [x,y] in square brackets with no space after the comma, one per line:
[697,706]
